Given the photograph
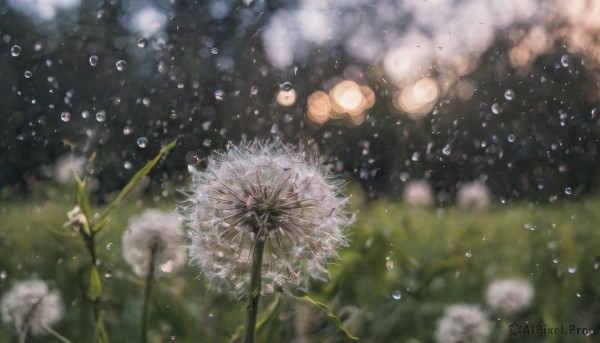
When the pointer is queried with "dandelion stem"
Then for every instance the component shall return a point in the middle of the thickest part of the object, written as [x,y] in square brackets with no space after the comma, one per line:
[255,288]
[148,291]
[58,336]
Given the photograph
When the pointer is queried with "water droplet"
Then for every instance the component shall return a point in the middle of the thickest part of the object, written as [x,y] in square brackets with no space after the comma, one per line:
[440,48]
[578,295]
[27,74]
[495,108]
[146,102]
[121,64]
[142,43]
[142,142]
[3,275]
[214,51]
[286,86]
[85,114]
[509,94]
[389,265]
[469,253]
[572,269]
[253,90]
[127,165]
[596,265]
[127,130]
[172,338]
[108,274]
[555,259]
[397,295]
[162,67]
[109,246]
[415,156]
[101,116]
[447,150]
[564,60]
[219,94]
[93,60]
[568,191]
[65,116]
[15,50]
[530,227]
[207,142]
[511,138]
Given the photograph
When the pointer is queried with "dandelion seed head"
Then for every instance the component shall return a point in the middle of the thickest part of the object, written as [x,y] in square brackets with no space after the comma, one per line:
[473,196]
[269,192]
[463,323]
[31,305]
[418,193]
[154,228]
[509,296]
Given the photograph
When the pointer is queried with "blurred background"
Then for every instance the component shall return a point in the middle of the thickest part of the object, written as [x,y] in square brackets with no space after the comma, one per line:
[414,102]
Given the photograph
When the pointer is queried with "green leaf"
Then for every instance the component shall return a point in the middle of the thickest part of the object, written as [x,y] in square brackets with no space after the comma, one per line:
[83,202]
[95,289]
[134,180]
[101,335]
[64,233]
[330,315]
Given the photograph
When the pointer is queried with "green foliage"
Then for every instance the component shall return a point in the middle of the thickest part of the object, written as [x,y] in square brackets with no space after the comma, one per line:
[556,247]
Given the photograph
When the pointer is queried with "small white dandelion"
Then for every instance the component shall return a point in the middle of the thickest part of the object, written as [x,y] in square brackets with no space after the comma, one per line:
[418,193]
[154,229]
[463,323]
[266,195]
[509,296]
[32,307]
[473,196]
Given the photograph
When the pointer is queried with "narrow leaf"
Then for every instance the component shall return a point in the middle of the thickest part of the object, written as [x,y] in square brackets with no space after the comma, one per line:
[134,180]
[101,334]
[330,314]
[64,233]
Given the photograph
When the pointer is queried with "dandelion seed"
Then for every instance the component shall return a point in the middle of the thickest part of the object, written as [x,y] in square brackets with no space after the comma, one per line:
[31,306]
[265,195]
[154,228]
[463,323]
[509,295]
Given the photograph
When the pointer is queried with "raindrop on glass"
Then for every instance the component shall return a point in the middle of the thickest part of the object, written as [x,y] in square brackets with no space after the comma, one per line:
[127,165]
[85,114]
[469,253]
[219,94]
[93,60]
[415,156]
[28,74]
[495,108]
[572,269]
[121,64]
[253,90]
[389,265]
[3,275]
[142,43]
[15,50]
[286,86]
[447,150]
[109,246]
[397,295]
[142,142]
[555,259]
[101,116]
[511,138]
[127,130]
[108,274]
[65,116]
[568,191]
[509,94]
[564,60]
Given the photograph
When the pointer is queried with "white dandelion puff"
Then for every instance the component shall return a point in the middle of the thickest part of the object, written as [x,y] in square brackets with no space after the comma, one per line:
[154,229]
[463,323]
[32,306]
[473,196]
[509,296]
[418,193]
[271,194]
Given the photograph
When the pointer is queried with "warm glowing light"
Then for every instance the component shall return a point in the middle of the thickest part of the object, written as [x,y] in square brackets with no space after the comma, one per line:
[286,98]
[346,97]
[418,100]
[319,107]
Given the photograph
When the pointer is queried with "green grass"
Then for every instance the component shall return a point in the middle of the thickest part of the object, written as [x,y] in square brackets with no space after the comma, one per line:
[427,247]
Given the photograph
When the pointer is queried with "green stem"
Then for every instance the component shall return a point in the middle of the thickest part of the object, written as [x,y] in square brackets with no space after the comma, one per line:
[56,334]
[255,288]
[147,291]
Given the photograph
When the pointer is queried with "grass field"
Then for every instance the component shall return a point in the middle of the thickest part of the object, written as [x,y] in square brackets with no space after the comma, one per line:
[404,266]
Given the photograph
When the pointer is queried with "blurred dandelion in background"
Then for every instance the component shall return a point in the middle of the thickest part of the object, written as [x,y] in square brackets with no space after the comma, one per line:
[509,296]
[473,196]
[463,323]
[32,307]
[154,228]
[418,193]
